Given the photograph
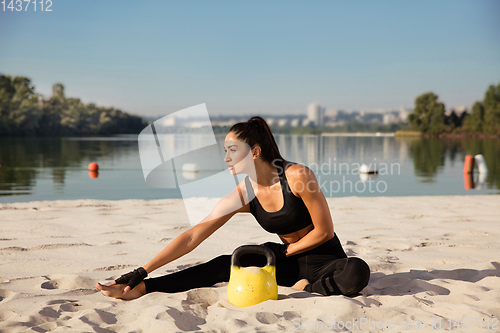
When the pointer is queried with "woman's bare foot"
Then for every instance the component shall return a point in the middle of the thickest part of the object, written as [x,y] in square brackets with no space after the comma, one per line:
[116,291]
[301,284]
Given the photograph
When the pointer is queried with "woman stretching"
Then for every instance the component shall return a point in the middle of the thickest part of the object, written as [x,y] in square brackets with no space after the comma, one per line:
[285,199]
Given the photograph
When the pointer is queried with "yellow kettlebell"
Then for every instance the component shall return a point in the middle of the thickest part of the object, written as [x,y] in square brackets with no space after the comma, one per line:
[252,285]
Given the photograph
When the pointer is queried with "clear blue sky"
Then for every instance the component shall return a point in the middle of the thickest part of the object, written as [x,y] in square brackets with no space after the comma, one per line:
[255,57]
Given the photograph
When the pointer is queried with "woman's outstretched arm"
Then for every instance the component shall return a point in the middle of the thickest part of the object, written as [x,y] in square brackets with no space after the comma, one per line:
[226,208]
[190,239]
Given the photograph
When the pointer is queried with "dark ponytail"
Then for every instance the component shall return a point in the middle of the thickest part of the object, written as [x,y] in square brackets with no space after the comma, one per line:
[255,131]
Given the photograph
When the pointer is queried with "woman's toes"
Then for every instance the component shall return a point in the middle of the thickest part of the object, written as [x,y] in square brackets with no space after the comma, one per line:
[116,291]
[111,291]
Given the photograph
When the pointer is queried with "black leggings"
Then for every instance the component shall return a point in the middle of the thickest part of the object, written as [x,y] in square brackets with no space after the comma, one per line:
[327,268]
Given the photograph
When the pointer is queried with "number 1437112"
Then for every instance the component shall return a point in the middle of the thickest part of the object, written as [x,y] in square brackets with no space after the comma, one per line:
[25,5]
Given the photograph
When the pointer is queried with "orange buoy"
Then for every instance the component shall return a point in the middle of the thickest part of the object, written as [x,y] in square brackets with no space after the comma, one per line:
[469,181]
[469,164]
[93,166]
[93,174]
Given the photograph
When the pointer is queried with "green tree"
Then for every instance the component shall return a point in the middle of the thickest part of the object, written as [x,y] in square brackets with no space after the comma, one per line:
[58,92]
[476,119]
[6,93]
[25,113]
[19,106]
[491,105]
[25,110]
[428,115]
[453,120]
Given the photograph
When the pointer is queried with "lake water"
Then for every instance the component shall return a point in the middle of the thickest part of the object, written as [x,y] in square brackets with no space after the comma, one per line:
[34,169]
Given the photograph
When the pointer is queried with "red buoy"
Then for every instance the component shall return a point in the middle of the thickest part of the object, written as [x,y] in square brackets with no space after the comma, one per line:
[469,164]
[93,166]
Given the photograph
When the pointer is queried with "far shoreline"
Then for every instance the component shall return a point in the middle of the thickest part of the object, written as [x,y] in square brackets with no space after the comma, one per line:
[356,134]
[415,134]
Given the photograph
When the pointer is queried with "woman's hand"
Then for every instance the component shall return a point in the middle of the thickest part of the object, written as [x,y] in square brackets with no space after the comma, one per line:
[279,250]
[131,279]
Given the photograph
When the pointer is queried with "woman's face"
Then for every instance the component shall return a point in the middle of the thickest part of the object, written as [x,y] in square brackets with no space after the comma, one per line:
[237,155]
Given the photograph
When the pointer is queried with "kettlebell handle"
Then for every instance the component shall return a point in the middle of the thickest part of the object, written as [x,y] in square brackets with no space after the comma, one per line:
[258,249]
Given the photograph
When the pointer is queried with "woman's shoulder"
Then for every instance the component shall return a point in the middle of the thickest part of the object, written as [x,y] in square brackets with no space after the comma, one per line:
[299,177]
[296,171]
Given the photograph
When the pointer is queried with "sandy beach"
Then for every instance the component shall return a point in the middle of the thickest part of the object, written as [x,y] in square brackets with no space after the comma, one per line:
[434,267]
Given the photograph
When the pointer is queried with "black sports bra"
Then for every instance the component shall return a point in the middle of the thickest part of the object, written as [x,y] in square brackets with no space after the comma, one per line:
[293,216]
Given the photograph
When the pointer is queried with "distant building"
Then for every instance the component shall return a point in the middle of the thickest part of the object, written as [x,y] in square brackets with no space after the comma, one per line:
[270,121]
[307,122]
[295,122]
[391,117]
[403,114]
[331,114]
[315,114]
[282,122]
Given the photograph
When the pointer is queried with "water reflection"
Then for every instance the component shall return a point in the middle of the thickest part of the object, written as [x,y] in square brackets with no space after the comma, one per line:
[429,156]
[25,160]
[426,164]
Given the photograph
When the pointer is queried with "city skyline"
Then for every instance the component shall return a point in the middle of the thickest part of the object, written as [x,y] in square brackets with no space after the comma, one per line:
[251,58]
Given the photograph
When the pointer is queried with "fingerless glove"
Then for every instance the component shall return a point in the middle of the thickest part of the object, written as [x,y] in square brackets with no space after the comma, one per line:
[133,278]
[279,250]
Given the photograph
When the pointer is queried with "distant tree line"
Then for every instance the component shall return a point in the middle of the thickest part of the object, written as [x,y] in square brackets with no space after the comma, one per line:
[344,128]
[23,112]
[429,116]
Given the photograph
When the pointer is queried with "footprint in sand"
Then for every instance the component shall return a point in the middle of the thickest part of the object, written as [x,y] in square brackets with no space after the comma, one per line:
[414,287]
[5,315]
[203,297]
[426,244]
[6,295]
[44,321]
[235,325]
[350,253]
[113,267]
[184,321]
[66,305]
[289,315]
[49,312]
[194,310]
[61,281]
[98,317]
[181,267]
[266,318]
